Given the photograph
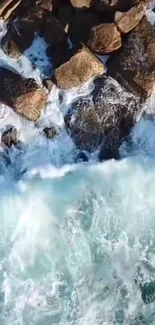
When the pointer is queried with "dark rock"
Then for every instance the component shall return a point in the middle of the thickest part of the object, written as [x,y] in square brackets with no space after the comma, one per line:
[104,118]
[10,46]
[48,83]
[148,292]
[104,38]
[81,157]
[134,65]
[21,94]
[10,137]
[45,4]
[81,25]
[54,32]
[80,68]
[50,132]
[65,14]
[126,21]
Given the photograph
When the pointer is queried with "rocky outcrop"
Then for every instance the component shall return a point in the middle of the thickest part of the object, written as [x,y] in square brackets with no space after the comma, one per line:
[10,137]
[82,66]
[81,3]
[21,94]
[126,21]
[104,38]
[7,7]
[134,65]
[102,119]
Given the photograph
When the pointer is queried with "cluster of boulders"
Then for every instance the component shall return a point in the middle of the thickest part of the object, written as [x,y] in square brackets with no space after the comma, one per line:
[78,34]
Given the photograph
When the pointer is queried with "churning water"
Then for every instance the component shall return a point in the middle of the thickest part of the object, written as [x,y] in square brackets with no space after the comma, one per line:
[77,241]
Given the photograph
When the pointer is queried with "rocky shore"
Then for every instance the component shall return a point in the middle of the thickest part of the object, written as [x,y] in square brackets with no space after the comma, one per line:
[79,34]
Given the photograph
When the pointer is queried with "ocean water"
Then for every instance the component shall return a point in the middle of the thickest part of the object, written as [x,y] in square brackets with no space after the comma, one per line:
[77,241]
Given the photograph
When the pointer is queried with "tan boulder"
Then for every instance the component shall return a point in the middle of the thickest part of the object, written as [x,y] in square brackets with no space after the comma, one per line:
[104,38]
[81,3]
[82,66]
[126,21]
[23,95]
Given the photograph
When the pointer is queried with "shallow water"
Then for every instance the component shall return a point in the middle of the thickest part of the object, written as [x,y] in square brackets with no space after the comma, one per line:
[76,240]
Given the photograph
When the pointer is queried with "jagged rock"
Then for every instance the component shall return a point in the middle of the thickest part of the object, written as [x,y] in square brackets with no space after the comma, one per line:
[7,7]
[82,66]
[81,3]
[126,21]
[50,132]
[104,38]
[148,292]
[21,94]
[81,25]
[10,137]
[134,65]
[102,119]
[10,46]
[54,32]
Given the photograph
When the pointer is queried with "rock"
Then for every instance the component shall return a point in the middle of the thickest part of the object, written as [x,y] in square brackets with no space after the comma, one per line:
[45,4]
[34,17]
[148,292]
[102,119]
[126,21]
[81,3]
[134,65]
[7,7]
[10,137]
[50,132]
[105,5]
[9,46]
[82,66]
[104,38]
[54,32]
[81,157]
[65,14]
[21,94]
[81,25]
[48,83]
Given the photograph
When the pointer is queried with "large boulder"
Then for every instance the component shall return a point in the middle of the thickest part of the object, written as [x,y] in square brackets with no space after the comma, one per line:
[7,7]
[104,38]
[126,21]
[54,31]
[82,66]
[21,94]
[134,65]
[102,119]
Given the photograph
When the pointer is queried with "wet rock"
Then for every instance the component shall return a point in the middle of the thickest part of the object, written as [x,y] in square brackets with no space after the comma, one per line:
[10,46]
[65,14]
[81,25]
[148,292]
[50,132]
[48,83]
[126,21]
[82,66]
[105,5]
[10,137]
[54,32]
[21,94]
[45,4]
[81,157]
[102,119]
[81,3]
[134,65]
[104,38]
[7,7]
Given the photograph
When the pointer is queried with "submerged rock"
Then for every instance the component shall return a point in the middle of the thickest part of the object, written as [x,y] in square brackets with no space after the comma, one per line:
[10,137]
[134,65]
[102,119]
[82,66]
[148,292]
[126,21]
[50,132]
[21,94]
[104,38]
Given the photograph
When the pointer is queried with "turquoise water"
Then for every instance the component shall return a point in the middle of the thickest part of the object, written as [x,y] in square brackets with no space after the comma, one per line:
[75,245]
